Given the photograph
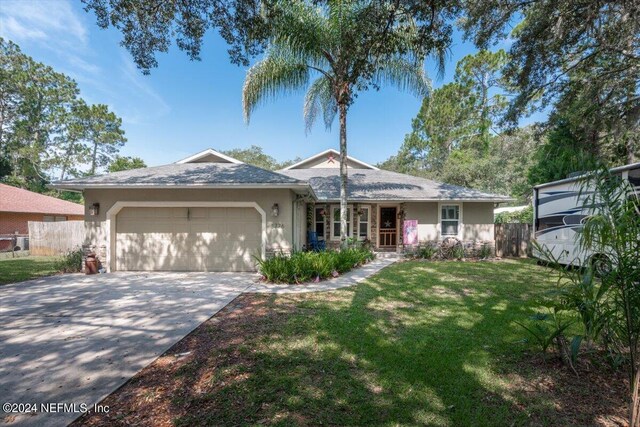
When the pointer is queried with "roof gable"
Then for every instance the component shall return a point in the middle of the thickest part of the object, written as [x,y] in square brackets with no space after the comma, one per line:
[209,156]
[329,159]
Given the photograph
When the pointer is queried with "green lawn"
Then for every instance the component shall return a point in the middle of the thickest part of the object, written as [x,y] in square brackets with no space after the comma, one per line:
[19,269]
[420,343]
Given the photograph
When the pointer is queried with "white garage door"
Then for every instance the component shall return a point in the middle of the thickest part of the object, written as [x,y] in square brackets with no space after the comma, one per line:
[188,239]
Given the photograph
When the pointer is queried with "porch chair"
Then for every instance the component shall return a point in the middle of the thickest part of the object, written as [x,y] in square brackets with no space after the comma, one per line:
[314,243]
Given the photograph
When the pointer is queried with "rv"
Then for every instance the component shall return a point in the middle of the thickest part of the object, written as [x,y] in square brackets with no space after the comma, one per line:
[558,215]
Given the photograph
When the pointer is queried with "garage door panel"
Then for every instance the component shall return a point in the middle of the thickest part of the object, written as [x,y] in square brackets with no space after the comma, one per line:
[188,239]
[153,262]
[196,213]
[243,228]
[220,213]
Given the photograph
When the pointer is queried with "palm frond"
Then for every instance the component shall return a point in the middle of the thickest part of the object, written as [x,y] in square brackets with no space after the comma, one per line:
[319,98]
[405,75]
[275,75]
[303,29]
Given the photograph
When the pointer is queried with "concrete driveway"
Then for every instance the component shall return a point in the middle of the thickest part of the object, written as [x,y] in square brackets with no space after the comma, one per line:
[73,339]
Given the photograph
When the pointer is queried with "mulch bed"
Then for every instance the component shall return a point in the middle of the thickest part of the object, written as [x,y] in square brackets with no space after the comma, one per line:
[218,353]
[154,396]
[596,396]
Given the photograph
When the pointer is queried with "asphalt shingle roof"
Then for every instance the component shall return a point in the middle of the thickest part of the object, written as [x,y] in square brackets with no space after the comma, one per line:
[185,174]
[364,184]
[13,199]
[368,184]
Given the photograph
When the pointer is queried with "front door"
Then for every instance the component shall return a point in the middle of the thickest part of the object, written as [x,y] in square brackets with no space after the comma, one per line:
[388,227]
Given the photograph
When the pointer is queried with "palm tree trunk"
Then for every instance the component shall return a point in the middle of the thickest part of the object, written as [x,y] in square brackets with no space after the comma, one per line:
[343,176]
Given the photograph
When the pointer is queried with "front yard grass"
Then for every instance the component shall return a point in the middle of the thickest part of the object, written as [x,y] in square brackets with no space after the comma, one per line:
[25,268]
[420,343]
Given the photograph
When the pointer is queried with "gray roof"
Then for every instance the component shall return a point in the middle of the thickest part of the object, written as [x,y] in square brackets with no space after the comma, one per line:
[186,174]
[364,184]
[372,185]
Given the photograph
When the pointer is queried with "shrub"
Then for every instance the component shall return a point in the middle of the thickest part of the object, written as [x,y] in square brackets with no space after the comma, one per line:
[485,251]
[300,267]
[426,252]
[71,262]
[524,216]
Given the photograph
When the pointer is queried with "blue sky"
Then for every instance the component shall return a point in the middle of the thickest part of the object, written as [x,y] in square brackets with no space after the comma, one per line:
[186,106]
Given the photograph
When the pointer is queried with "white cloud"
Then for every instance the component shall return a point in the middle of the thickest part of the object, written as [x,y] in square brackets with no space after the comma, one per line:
[26,20]
[132,78]
[58,29]
[11,28]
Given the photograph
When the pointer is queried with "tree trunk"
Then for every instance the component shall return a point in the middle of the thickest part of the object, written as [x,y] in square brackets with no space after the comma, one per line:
[634,419]
[93,158]
[343,176]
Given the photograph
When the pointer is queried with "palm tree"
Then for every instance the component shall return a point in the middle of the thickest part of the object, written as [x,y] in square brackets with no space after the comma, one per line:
[334,45]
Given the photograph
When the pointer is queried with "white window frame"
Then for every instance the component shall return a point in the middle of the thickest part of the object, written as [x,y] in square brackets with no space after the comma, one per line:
[368,207]
[316,221]
[333,208]
[460,221]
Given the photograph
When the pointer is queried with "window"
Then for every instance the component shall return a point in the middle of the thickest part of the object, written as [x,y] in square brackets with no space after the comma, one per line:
[363,222]
[319,222]
[450,220]
[335,223]
[51,218]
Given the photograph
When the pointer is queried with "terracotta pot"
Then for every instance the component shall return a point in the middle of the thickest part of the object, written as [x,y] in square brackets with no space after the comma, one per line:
[91,264]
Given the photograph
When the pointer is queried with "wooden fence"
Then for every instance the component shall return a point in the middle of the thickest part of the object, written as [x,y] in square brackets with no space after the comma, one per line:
[513,240]
[55,238]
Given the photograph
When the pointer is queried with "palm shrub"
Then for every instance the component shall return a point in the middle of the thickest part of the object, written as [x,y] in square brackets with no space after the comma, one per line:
[613,231]
[300,267]
[71,262]
[344,50]
[426,251]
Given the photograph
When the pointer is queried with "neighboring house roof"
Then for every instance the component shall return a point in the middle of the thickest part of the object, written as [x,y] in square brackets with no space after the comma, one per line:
[304,164]
[378,185]
[13,199]
[185,175]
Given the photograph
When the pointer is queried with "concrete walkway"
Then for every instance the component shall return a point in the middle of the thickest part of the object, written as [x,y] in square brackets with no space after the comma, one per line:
[349,279]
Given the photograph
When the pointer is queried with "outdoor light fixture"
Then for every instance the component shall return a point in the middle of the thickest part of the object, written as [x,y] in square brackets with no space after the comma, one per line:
[94,209]
[275,209]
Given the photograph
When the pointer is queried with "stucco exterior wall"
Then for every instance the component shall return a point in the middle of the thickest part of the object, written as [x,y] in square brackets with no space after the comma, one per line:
[279,229]
[427,215]
[476,221]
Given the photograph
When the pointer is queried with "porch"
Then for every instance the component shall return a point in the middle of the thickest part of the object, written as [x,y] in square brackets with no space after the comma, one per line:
[379,224]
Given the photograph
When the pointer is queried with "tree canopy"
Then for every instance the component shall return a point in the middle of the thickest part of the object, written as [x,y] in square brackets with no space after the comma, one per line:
[256,156]
[569,51]
[47,130]
[123,163]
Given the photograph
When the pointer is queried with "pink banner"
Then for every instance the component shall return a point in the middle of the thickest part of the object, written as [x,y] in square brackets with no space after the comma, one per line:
[410,232]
